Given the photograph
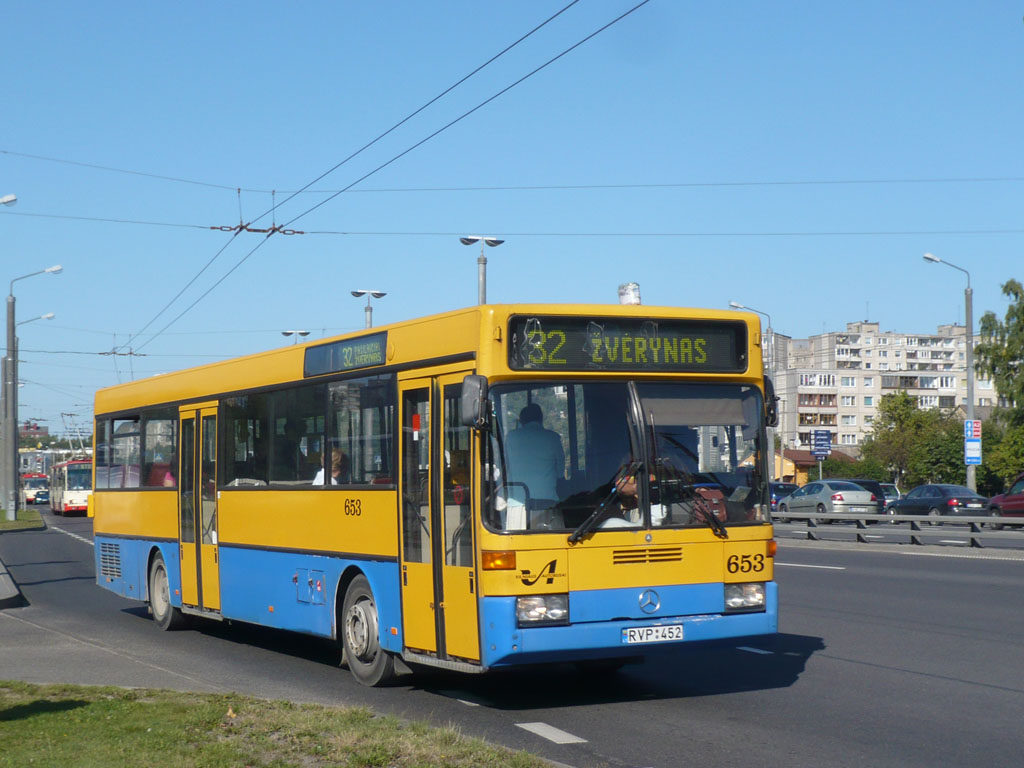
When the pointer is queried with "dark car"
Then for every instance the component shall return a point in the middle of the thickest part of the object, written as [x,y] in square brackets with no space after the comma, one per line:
[875,487]
[1008,504]
[779,490]
[939,500]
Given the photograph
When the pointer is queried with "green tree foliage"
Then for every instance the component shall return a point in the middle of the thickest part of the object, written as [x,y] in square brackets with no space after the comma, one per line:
[1003,458]
[1000,355]
[915,446]
[893,435]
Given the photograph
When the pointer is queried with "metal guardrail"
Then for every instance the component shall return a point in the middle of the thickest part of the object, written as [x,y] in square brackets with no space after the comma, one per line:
[922,527]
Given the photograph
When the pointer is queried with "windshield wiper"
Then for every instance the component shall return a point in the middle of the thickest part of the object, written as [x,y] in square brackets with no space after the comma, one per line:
[703,509]
[588,525]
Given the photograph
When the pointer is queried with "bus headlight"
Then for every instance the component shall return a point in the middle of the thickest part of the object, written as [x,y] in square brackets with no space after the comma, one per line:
[542,609]
[744,597]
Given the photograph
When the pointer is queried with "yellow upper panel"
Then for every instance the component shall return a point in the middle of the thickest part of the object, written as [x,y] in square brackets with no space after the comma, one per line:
[480,331]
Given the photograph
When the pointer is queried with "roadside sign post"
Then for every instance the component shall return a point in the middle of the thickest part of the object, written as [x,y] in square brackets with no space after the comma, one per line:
[821,446]
[972,442]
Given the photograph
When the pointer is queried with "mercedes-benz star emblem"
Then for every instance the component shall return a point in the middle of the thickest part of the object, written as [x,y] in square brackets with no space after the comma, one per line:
[649,601]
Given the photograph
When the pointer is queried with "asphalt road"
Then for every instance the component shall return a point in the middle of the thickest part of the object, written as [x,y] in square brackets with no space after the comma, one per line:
[888,656]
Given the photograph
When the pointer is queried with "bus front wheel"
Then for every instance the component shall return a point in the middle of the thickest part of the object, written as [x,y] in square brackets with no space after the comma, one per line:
[360,636]
[165,615]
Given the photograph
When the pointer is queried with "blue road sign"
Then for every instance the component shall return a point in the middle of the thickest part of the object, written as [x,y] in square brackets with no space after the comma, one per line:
[972,450]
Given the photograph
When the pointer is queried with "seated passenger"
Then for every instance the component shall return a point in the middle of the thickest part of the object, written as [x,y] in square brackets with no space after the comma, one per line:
[339,470]
[535,456]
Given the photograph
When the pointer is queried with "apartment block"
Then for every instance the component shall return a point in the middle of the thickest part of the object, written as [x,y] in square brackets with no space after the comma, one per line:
[835,380]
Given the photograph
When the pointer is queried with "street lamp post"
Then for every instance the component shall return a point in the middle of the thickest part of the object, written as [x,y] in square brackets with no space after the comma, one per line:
[296,334]
[770,333]
[481,262]
[968,301]
[10,421]
[369,294]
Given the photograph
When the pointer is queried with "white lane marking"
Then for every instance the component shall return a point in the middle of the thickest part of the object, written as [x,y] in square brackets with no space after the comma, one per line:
[823,567]
[748,649]
[953,541]
[968,555]
[551,733]
[468,703]
[90,542]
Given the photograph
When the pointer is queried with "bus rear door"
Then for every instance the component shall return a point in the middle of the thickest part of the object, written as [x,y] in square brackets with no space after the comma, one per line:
[197,507]
[439,581]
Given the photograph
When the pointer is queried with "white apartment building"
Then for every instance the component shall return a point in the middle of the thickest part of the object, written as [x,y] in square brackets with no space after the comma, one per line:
[835,380]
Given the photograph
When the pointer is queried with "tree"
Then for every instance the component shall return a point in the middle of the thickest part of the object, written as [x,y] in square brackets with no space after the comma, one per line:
[894,433]
[1000,355]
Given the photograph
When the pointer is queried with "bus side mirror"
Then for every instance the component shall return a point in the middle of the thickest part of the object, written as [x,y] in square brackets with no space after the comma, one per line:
[771,404]
[473,404]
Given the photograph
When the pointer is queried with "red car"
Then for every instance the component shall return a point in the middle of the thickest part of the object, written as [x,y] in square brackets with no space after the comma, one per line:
[1009,504]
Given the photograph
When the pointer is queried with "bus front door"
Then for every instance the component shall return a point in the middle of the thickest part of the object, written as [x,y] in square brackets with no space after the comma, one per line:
[197,507]
[439,591]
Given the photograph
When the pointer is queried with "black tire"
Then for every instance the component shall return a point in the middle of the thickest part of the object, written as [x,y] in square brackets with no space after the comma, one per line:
[891,512]
[933,516]
[995,513]
[783,511]
[822,511]
[359,628]
[165,615]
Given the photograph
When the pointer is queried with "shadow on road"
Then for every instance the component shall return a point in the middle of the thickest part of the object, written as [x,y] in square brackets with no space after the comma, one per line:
[698,670]
[693,671]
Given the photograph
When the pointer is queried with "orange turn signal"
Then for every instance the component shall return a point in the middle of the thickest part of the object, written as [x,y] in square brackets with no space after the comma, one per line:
[498,561]
[773,547]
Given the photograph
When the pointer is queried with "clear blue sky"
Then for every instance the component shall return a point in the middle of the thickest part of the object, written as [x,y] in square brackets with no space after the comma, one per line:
[726,104]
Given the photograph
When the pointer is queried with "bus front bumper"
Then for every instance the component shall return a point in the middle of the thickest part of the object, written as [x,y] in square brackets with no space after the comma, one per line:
[507,644]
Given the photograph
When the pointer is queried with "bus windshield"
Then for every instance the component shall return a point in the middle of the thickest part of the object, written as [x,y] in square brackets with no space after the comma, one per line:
[582,457]
[79,478]
[35,483]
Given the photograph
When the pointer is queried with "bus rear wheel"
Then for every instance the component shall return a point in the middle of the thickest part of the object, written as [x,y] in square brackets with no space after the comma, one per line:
[360,636]
[165,615]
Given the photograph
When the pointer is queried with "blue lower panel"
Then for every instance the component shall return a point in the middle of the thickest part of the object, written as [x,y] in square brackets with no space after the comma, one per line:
[260,587]
[505,644]
[122,566]
[255,581]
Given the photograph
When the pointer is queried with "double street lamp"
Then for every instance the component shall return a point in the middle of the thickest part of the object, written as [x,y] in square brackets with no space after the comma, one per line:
[481,262]
[369,294]
[296,334]
[9,469]
[968,300]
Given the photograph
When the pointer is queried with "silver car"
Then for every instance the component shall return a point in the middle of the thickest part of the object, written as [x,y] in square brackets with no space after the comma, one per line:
[827,496]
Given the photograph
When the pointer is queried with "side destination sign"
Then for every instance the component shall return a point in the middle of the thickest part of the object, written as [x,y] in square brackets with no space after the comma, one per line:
[347,355]
[627,344]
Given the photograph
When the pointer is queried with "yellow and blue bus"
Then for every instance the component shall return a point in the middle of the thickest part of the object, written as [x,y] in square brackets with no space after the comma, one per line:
[490,487]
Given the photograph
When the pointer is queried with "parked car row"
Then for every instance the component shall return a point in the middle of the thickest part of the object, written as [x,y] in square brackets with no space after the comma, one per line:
[862,496]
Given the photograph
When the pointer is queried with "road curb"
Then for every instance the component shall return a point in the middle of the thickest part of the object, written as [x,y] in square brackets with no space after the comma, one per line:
[10,595]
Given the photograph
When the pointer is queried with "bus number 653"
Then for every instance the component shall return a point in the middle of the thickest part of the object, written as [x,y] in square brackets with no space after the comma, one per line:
[744,563]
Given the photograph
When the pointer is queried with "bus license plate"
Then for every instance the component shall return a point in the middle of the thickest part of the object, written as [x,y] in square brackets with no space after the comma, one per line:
[635,635]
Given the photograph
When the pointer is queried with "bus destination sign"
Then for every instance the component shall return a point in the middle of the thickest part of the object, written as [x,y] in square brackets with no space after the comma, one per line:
[347,355]
[627,344]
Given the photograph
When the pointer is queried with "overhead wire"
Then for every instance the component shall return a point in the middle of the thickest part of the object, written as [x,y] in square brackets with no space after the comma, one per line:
[398,156]
[523,187]
[325,174]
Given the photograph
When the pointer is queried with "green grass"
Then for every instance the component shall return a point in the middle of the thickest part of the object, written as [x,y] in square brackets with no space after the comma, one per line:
[27,517]
[59,725]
